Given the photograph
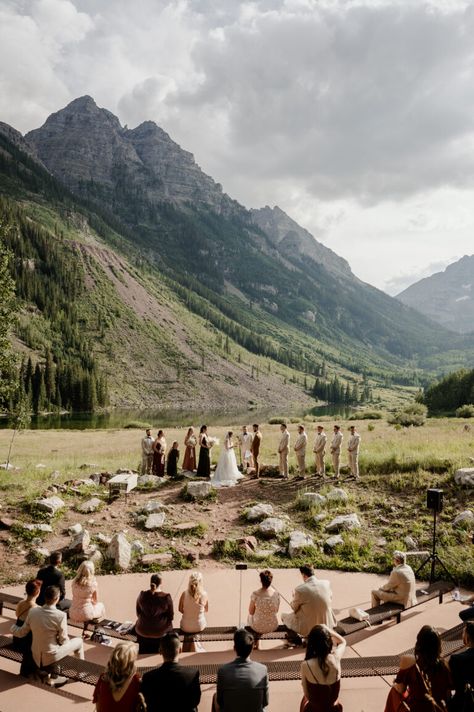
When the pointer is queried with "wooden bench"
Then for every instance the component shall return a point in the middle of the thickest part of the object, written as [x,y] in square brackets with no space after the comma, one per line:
[89,672]
[387,611]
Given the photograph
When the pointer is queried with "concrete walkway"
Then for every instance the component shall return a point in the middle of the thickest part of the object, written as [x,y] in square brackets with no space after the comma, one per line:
[223,586]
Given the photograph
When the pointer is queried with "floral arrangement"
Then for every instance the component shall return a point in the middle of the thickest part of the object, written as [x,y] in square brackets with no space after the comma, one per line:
[191,441]
[213,441]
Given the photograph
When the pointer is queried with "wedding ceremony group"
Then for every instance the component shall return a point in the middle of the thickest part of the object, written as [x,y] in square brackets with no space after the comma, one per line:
[159,460]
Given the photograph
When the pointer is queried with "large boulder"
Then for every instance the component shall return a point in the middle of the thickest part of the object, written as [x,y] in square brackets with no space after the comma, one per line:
[50,505]
[120,551]
[38,527]
[259,512]
[343,523]
[103,539]
[298,542]
[81,542]
[410,543]
[137,547]
[464,519]
[38,555]
[199,490]
[153,506]
[273,526]
[146,480]
[155,521]
[75,529]
[464,477]
[313,499]
[90,505]
[157,559]
[333,542]
[337,495]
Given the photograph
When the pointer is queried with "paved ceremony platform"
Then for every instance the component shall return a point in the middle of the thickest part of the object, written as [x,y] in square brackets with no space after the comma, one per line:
[223,586]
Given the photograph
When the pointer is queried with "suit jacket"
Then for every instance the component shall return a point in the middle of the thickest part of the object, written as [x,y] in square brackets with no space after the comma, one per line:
[256,442]
[284,442]
[354,443]
[402,582]
[49,628]
[462,671]
[320,443]
[50,576]
[171,687]
[242,685]
[312,605]
[300,443]
[336,442]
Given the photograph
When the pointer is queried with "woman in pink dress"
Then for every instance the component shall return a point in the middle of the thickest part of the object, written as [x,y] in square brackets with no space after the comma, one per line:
[263,608]
[85,605]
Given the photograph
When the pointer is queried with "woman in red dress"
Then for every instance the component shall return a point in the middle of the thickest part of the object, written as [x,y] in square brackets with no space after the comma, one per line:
[189,461]
[118,689]
[321,671]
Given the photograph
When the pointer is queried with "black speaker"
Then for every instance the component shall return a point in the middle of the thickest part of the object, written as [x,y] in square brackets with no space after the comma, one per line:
[434,499]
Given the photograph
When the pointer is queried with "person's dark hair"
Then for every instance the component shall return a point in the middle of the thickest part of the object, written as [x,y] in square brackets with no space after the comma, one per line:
[230,433]
[55,558]
[155,581]
[307,570]
[160,432]
[32,588]
[428,649]
[282,425]
[256,425]
[266,577]
[469,628]
[243,642]
[203,428]
[51,594]
[319,646]
[169,646]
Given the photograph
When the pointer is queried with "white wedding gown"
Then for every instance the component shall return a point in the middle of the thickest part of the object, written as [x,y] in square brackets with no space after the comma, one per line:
[227,473]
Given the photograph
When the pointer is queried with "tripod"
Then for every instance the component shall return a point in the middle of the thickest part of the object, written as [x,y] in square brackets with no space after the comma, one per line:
[433,558]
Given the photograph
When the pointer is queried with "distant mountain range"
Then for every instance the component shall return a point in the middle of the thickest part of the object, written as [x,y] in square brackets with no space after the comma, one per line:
[189,298]
[446,297]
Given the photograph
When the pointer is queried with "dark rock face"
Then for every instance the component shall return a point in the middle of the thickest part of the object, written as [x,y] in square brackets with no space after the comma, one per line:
[446,297]
[17,140]
[82,144]
[291,239]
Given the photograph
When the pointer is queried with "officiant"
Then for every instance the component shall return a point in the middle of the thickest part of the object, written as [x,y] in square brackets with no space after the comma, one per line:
[245,442]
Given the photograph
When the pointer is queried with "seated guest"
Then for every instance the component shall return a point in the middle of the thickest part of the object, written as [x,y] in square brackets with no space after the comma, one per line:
[422,677]
[85,606]
[52,576]
[263,608]
[468,614]
[194,604]
[172,686]
[462,670]
[117,689]
[154,616]
[321,671]
[48,626]
[32,590]
[311,604]
[242,685]
[172,460]
[400,587]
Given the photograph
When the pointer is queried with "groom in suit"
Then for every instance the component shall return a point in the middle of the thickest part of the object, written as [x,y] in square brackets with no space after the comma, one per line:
[241,684]
[256,442]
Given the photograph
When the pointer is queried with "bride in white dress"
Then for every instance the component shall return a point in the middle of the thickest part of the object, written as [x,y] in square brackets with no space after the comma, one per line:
[227,473]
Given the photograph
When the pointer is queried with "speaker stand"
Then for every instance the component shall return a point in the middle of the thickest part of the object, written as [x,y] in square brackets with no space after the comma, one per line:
[433,558]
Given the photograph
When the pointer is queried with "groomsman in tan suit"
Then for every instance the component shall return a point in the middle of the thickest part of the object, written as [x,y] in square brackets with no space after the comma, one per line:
[319,450]
[336,449]
[353,452]
[283,450]
[300,450]
[311,604]
[400,587]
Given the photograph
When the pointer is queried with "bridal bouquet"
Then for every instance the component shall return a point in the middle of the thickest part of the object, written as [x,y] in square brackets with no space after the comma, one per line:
[192,442]
[213,441]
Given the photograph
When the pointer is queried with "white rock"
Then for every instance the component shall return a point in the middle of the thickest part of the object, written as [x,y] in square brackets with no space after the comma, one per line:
[36,527]
[148,480]
[6,466]
[466,517]
[81,541]
[50,505]
[381,541]
[337,495]
[74,529]
[410,543]
[40,466]
[319,518]
[343,523]
[103,539]
[96,557]
[137,547]
[199,490]
[464,477]
[155,521]
[120,551]
[313,498]
[298,542]
[153,506]
[272,527]
[258,512]
[54,475]
[90,505]
[334,541]
[38,555]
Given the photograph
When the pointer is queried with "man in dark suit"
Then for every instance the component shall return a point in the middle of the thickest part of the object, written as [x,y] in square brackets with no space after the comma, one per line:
[255,449]
[52,576]
[242,685]
[172,686]
[462,668]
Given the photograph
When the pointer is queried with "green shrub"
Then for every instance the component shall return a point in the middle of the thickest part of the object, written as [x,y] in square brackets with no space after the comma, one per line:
[465,411]
[413,414]
[278,421]
[366,415]
[137,425]
[370,427]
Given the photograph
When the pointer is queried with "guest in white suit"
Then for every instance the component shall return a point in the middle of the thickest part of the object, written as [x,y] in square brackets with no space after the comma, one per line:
[319,450]
[283,450]
[353,452]
[245,440]
[336,444]
[311,604]
[300,450]
[48,626]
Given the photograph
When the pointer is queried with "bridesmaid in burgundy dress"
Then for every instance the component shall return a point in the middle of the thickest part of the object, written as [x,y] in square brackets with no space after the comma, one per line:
[189,461]
[321,671]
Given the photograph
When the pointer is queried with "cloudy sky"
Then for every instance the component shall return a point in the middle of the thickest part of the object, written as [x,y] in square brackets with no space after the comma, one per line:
[355,117]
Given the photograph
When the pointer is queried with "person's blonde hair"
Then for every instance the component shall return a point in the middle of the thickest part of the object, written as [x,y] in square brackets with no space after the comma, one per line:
[121,665]
[195,585]
[85,573]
